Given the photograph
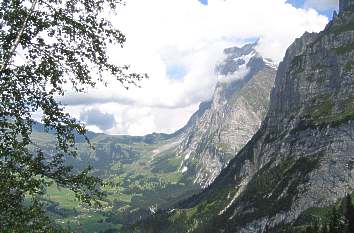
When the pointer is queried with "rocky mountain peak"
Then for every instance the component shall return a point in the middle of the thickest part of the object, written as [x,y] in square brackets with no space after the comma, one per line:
[223,125]
[236,70]
[239,60]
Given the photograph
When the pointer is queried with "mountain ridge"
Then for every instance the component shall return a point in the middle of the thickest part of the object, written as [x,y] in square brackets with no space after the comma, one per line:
[156,171]
[238,105]
[301,157]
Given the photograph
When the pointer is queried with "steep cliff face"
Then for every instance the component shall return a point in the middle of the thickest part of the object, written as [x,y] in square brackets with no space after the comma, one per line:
[224,125]
[301,157]
[345,5]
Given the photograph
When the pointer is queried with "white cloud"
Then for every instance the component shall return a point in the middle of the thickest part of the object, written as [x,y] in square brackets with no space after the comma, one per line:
[184,33]
[131,119]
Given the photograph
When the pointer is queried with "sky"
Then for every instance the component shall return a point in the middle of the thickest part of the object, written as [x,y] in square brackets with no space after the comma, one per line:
[325,7]
[178,43]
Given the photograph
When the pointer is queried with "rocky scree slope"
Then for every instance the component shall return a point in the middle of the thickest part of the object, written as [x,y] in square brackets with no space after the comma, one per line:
[301,157]
[225,124]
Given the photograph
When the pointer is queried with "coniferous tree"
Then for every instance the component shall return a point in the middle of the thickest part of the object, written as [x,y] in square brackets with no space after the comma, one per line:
[324,229]
[348,210]
[315,228]
[335,221]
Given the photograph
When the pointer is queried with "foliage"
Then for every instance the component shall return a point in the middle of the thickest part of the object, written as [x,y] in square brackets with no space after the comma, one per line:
[341,28]
[139,180]
[340,219]
[345,48]
[48,46]
[348,211]
[348,67]
[323,113]
[265,191]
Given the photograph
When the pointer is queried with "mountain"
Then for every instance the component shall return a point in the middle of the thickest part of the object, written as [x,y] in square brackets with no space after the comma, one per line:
[225,124]
[302,156]
[158,170]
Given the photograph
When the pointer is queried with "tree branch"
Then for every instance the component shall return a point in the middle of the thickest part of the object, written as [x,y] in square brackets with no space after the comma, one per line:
[18,37]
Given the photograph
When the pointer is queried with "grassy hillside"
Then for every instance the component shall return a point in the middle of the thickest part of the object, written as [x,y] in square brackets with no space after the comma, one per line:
[144,173]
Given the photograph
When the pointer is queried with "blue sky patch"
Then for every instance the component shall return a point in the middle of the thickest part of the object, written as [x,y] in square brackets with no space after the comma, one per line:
[297,3]
[176,72]
[204,2]
[300,4]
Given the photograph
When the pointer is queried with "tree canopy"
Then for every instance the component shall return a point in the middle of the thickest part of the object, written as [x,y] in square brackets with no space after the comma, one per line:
[46,47]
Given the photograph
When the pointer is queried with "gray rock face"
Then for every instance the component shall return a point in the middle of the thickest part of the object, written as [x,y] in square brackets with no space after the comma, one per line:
[345,4]
[302,156]
[224,125]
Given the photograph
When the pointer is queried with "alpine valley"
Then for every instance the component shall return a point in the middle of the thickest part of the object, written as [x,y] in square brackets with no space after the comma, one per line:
[272,151]
[158,171]
[299,164]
